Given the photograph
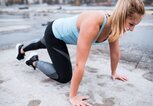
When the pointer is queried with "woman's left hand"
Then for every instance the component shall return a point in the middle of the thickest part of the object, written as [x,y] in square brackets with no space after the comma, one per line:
[119,77]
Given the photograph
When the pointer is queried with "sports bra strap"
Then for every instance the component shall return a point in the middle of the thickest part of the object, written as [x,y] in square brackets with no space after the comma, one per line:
[102,27]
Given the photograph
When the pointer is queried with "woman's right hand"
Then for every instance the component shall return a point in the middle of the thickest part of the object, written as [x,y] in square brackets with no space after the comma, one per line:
[79,101]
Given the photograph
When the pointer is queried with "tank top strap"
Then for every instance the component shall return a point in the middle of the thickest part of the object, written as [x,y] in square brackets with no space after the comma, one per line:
[102,27]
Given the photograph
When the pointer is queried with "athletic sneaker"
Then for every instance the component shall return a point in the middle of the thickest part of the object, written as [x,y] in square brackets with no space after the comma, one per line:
[32,58]
[19,54]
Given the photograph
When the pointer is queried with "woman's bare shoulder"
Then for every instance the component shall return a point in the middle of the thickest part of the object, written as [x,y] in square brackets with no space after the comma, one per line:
[92,14]
[95,17]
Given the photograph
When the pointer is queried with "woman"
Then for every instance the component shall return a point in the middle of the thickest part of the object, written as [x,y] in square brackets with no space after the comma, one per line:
[83,30]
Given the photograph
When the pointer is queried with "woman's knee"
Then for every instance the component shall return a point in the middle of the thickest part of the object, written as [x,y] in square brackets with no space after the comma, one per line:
[65,79]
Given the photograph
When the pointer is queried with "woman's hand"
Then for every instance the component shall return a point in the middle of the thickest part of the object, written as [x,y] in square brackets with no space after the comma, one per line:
[79,101]
[119,77]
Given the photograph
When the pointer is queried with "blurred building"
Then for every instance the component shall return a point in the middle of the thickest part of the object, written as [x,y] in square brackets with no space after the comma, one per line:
[73,2]
[10,2]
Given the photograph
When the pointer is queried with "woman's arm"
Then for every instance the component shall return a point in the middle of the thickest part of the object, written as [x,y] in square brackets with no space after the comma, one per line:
[88,32]
[115,57]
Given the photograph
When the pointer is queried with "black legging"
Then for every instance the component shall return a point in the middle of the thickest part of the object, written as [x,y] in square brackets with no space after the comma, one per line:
[58,53]
[34,46]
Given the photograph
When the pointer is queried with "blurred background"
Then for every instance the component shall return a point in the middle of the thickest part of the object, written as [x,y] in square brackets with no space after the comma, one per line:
[65,2]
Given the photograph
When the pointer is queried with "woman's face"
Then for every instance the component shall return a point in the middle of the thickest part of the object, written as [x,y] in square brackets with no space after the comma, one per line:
[131,22]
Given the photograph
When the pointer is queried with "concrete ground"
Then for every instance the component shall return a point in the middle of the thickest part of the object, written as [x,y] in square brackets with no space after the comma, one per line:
[20,85]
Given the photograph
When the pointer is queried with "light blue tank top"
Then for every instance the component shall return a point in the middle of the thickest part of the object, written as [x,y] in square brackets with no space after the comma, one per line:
[66,29]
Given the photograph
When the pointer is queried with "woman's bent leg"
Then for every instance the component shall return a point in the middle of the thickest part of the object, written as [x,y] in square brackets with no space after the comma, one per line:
[34,46]
[61,69]
[59,55]
[47,68]
[21,49]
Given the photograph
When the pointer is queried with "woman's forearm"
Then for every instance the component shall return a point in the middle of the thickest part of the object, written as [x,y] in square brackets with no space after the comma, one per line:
[114,63]
[114,55]
[75,82]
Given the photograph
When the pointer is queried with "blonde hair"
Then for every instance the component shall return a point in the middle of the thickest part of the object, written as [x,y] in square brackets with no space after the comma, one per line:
[122,10]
